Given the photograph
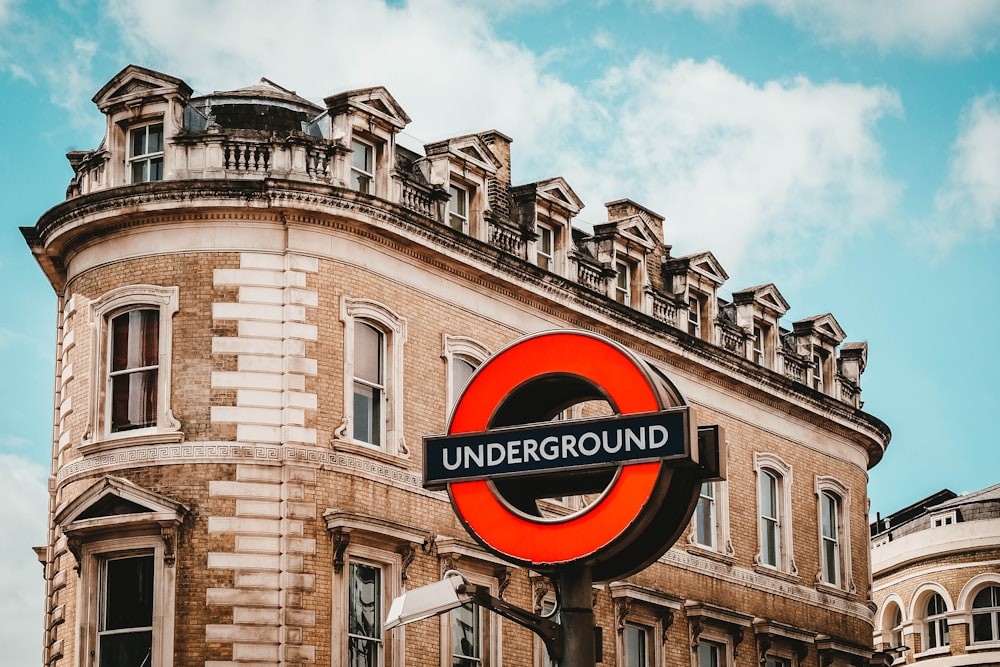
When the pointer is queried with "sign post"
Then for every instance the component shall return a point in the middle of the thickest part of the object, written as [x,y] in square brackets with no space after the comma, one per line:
[502,453]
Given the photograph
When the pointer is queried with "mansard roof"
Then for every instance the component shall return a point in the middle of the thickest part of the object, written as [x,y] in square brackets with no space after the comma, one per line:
[134,83]
[375,102]
[767,296]
[470,148]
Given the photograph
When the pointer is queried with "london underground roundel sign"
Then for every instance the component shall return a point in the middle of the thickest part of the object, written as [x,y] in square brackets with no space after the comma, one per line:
[502,452]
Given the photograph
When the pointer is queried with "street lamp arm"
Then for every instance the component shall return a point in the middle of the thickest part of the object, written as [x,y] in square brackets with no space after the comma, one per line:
[549,631]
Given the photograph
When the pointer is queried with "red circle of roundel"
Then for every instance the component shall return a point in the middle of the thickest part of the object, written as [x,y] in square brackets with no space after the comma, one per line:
[578,536]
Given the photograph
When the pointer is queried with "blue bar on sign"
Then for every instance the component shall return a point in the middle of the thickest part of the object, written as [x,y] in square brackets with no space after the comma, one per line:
[555,446]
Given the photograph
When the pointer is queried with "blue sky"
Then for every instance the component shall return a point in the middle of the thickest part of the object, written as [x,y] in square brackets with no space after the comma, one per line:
[849,152]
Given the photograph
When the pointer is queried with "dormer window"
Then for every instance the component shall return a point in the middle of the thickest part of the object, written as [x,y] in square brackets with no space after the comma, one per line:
[362,167]
[545,247]
[458,209]
[145,153]
[623,283]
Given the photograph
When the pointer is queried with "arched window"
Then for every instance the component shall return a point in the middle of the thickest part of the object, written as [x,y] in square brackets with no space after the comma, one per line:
[935,623]
[830,536]
[369,384]
[896,627]
[986,615]
[770,519]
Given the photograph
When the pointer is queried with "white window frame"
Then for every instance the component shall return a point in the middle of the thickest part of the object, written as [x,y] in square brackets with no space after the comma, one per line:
[648,658]
[459,196]
[490,625]
[148,158]
[460,348]
[934,624]
[759,352]
[694,316]
[845,577]
[112,303]
[623,281]
[782,472]
[722,542]
[393,327]
[545,258]
[944,519]
[358,173]
[993,612]
[390,564]
[93,557]
[719,652]
[723,642]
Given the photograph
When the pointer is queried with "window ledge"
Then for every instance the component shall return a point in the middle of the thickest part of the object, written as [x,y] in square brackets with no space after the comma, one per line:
[837,591]
[983,646]
[940,650]
[138,438]
[358,448]
[703,551]
[777,574]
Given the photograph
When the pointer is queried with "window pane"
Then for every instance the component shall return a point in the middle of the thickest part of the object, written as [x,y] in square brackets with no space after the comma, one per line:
[708,655]
[135,339]
[466,643]
[362,652]
[829,512]
[367,353]
[364,613]
[982,628]
[768,495]
[138,143]
[361,156]
[367,414]
[705,516]
[126,649]
[461,371]
[128,593]
[635,646]
[139,173]
[133,400]
[156,169]
[154,140]
[769,543]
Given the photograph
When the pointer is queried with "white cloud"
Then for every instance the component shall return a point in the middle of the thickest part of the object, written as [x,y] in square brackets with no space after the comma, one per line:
[763,176]
[956,27]
[969,202]
[778,172]
[23,515]
[439,58]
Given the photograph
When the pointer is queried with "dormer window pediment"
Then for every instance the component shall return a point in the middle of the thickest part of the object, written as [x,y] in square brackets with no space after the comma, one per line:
[376,104]
[707,266]
[134,83]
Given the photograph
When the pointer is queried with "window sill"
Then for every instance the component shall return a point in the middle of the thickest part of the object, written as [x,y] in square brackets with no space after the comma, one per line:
[358,448]
[703,551]
[837,591]
[983,646]
[940,650]
[144,437]
[777,574]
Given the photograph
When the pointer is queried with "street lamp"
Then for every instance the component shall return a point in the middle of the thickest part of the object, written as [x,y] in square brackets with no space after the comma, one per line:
[454,591]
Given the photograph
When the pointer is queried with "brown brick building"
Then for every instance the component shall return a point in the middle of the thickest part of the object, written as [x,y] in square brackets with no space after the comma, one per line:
[265,303]
[936,574]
